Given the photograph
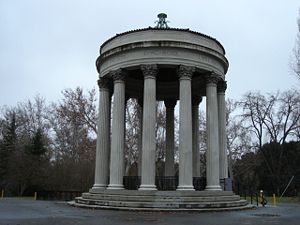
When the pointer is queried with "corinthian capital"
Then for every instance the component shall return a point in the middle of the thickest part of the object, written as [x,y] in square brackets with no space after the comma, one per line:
[222,86]
[212,78]
[104,84]
[118,75]
[185,71]
[149,70]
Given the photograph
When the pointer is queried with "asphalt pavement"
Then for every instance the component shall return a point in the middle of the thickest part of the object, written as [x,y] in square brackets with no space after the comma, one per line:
[24,212]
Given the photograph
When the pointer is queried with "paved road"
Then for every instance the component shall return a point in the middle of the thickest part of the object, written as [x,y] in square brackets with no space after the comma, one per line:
[25,212]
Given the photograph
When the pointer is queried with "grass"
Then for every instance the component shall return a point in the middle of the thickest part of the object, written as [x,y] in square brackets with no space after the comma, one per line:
[285,199]
[278,200]
[19,197]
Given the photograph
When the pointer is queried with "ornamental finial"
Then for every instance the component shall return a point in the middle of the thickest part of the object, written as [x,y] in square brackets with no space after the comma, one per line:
[161,22]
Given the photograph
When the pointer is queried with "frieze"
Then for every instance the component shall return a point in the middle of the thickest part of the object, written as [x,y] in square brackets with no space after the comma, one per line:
[163,52]
[185,57]
[205,59]
[115,58]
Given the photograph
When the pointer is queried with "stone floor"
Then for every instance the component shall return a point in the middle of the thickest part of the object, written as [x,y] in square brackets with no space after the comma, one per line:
[23,212]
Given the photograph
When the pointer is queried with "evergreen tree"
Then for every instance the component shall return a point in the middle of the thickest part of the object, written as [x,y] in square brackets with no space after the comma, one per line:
[37,146]
[7,145]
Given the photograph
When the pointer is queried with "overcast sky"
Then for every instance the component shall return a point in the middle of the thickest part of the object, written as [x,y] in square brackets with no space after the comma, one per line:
[49,45]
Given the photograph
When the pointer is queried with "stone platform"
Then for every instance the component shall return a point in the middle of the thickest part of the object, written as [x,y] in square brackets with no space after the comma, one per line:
[161,200]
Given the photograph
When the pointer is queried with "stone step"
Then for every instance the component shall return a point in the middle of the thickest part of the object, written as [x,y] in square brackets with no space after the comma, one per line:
[244,207]
[161,198]
[161,204]
[100,201]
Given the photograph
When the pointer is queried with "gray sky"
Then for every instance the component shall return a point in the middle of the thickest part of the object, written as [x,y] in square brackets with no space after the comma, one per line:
[49,45]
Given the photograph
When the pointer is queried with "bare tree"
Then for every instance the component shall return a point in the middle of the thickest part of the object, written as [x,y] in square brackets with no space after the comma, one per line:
[131,134]
[73,121]
[283,118]
[256,109]
[295,64]
[202,142]
[238,137]
[160,131]
[77,106]
[34,115]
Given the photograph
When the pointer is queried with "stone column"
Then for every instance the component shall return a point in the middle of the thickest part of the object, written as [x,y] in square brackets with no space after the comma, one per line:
[222,86]
[169,163]
[212,154]
[149,119]
[195,127]
[185,74]
[140,135]
[118,127]
[103,137]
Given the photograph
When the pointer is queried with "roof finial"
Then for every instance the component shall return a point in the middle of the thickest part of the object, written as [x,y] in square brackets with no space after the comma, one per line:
[162,22]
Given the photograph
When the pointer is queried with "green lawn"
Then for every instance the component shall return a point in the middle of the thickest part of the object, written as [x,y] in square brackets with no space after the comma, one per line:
[278,200]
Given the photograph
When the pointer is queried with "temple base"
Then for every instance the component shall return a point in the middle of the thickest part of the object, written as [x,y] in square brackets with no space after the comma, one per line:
[161,200]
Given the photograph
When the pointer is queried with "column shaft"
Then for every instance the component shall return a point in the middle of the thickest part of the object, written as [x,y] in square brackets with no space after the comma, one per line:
[149,119]
[185,129]
[169,162]
[118,127]
[212,154]
[222,130]
[103,137]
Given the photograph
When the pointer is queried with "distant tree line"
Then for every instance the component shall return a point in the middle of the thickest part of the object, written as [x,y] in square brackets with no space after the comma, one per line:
[52,146]
[48,146]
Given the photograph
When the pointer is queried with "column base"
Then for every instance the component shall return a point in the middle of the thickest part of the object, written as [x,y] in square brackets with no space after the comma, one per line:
[99,186]
[147,187]
[185,188]
[213,188]
[115,187]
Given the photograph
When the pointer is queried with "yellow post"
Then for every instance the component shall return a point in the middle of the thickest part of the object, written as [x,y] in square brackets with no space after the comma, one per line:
[35,196]
[274,200]
[2,193]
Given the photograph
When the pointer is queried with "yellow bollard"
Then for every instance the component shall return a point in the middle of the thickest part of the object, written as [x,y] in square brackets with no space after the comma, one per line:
[2,193]
[274,200]
[35,196]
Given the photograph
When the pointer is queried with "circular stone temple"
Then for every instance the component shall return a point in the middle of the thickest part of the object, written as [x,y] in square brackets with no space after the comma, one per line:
[175,66]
